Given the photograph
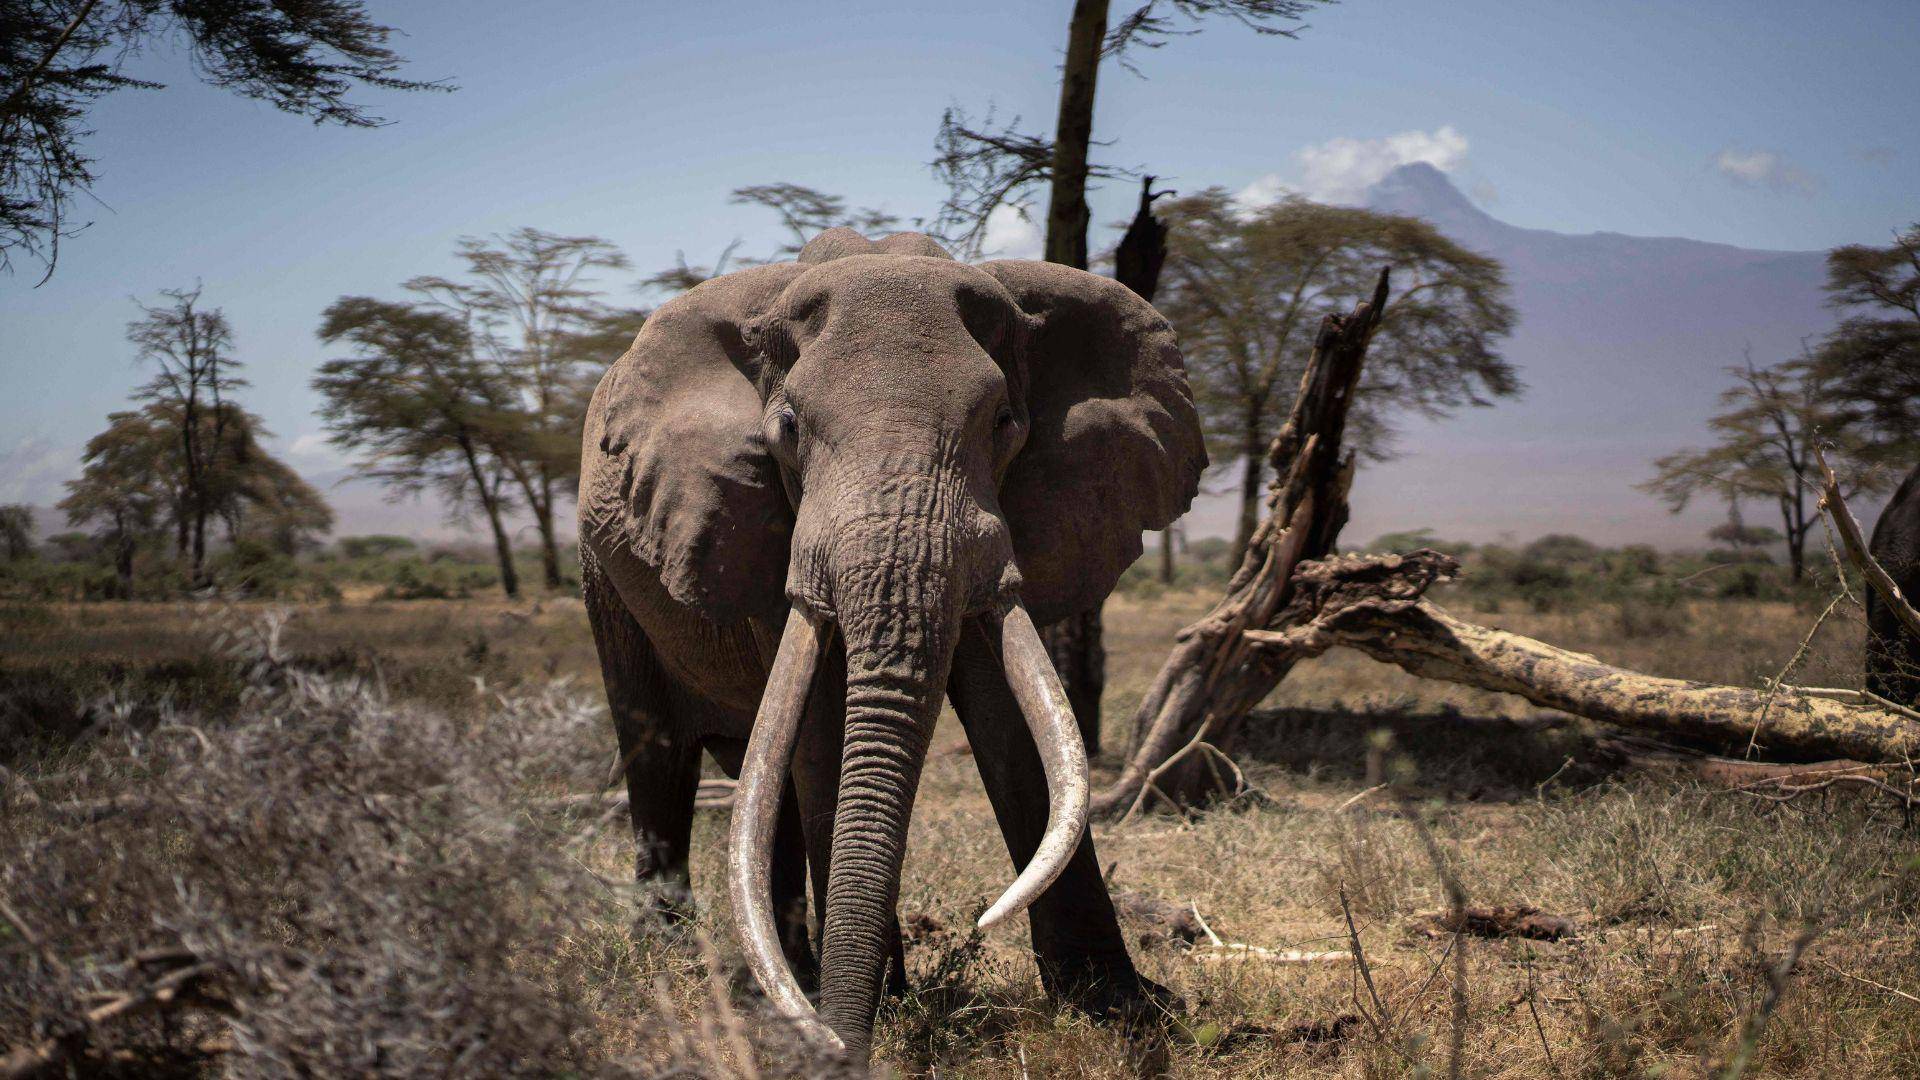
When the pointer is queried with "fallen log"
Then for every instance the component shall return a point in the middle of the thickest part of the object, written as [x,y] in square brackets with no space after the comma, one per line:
[1375,604]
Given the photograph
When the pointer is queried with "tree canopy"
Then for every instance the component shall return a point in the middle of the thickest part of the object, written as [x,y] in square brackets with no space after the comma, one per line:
[1872,359]
[59,57]
[1247,287]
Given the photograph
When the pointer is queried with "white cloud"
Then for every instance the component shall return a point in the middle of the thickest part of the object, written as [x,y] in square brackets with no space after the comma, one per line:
[1764,169]
[1268,189]
[310,444]
[1012,235]
[1341,170]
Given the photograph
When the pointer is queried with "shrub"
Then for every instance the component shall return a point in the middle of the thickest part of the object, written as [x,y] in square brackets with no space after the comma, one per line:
[342,886]
[374,547]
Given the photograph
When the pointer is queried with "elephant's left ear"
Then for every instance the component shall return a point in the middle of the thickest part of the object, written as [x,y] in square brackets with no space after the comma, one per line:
[1114,446]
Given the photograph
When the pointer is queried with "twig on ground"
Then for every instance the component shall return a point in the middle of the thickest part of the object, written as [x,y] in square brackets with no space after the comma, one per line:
[170,991]
[1343,807]
[1895,991]
[1228,952]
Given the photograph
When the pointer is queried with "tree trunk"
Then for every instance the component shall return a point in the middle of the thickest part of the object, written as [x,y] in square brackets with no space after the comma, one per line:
[1253,451]
[1143,249]
[198,561]
[1166,555]
[503,551]
[549,547]
[1193,711]
[490,505]
[123,561]
[1067,213]
[1075,643]
[1796,529]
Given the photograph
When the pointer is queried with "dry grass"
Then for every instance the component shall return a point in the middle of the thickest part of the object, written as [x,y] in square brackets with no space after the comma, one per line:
[378,887]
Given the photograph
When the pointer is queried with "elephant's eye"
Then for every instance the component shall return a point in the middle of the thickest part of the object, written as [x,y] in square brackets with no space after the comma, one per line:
[1003,419]
[782,431]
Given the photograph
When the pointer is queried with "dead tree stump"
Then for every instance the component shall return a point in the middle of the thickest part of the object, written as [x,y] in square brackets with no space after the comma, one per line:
[1192,714]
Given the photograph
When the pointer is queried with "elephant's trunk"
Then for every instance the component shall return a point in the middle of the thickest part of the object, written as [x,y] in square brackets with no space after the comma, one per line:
[899,589]
[898,595]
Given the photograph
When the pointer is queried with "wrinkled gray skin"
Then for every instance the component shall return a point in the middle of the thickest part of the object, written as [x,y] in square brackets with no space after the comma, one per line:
[904,445]
[1893,653]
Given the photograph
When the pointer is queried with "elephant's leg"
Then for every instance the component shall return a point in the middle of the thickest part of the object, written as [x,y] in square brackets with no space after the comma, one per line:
[789,878]
[816,783]
[658,752]
[1076,936]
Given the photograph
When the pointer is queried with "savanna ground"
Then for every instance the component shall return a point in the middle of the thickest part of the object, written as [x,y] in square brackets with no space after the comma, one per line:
[345,831]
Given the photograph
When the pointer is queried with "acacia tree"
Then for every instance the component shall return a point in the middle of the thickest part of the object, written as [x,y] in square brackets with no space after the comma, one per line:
[1249,286]
[1764,449]
[1872,358]
[134,484]
[191,348]
[525,296]
[59,57]
[420,408]
[124,490]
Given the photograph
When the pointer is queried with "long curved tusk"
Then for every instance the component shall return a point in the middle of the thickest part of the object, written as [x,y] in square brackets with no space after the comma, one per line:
[756,810]
[1036,687]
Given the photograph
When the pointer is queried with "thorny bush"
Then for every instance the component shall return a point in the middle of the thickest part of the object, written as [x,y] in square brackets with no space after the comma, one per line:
[366,887]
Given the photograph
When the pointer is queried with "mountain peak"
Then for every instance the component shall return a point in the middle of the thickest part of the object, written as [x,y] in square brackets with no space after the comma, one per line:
[1420,190]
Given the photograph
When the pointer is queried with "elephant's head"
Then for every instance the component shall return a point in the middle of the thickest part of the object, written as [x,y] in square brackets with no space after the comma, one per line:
[881,441]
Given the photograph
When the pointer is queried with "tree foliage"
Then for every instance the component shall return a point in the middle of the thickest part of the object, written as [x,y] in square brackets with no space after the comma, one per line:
[1248,287]
[1872,359]
[133,487]
[191,350]
[59,57]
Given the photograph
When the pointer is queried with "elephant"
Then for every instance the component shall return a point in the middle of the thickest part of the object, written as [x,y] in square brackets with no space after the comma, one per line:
[818,495]
[1893,652]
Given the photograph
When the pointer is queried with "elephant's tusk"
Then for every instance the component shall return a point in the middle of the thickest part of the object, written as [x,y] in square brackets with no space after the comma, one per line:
[1036,687]
[756,810]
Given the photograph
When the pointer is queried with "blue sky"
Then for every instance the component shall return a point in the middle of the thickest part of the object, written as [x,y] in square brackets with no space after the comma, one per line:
[1762,124]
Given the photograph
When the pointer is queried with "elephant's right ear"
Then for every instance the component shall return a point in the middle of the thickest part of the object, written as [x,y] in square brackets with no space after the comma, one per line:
[675,472]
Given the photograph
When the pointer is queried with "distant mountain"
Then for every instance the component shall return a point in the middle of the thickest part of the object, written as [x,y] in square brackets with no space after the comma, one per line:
[1621,342]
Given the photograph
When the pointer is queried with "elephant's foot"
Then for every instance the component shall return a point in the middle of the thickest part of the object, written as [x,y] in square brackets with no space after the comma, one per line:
[1114,993]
